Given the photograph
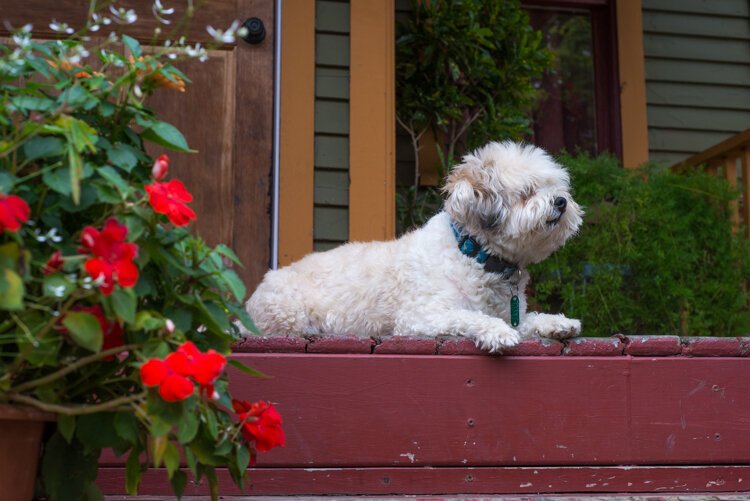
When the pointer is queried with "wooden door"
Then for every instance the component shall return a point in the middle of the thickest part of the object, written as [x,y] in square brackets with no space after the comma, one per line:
[226,113]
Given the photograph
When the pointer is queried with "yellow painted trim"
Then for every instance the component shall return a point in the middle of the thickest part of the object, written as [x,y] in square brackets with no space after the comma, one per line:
[372,129]
[297,130]
[632,83]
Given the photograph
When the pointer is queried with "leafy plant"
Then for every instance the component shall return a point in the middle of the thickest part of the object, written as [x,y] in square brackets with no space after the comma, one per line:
[464,71]
[112,314]
[656,254]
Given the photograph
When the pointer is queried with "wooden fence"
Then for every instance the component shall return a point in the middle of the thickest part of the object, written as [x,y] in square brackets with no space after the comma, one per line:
[730,158]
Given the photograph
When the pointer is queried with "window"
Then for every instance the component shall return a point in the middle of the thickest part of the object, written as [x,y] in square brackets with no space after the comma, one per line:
[579,106]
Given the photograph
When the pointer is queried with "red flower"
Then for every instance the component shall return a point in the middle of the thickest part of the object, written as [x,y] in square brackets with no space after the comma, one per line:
[13,211]
[160,168]
[53,264]
[188,362]
[170,199]
[205,367]
[168,375]
[260,423]
[113,335]
[113,257]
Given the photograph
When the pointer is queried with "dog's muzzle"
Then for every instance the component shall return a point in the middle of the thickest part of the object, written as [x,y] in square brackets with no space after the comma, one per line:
[560,203]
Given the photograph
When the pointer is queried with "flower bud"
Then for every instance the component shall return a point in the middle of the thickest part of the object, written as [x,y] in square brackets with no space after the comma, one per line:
[160,168]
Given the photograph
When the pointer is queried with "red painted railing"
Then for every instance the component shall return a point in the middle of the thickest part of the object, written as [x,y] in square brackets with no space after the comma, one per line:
[425,416]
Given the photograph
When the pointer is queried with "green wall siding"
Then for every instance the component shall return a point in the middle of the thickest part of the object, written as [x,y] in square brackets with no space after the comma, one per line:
[697,74]
[331,214]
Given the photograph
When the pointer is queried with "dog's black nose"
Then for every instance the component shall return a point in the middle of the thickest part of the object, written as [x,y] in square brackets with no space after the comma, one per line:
[560,204]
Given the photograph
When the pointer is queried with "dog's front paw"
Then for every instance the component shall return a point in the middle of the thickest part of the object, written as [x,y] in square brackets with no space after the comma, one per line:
[560,327]
[495,340]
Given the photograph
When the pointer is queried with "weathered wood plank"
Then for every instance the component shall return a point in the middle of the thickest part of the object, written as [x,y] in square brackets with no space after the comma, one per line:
[493,411]
[332,188]
[671,70]
[703,49]
[331,117]
[688,141]
[729,121]
[332,152]
[696,25]
[332,16]
[737,8]
[332,83]
[332,50]
[453,481]
[698,95]
[331,223]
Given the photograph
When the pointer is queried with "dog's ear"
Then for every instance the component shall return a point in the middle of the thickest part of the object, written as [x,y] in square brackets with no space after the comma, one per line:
[470,199]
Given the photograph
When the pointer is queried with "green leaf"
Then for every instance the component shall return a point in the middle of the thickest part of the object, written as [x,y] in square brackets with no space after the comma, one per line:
[133,472]
[126,426]
[123,156]
[58,179]
[133,45]
[124,304]
[159,448]
[191,460]
[31,103]
[166,135]
[7,180]
[66,425]
[179,481]
[247,370]
[85,330]
[41,352]
[187,428]
[244,317]
[243,459]
[67,469]
[235,284]
[227,252]
[211,424]
[57,286]
[171,459]
[11,290]
[43,147]
[116,179]
[98,431]
[93,493]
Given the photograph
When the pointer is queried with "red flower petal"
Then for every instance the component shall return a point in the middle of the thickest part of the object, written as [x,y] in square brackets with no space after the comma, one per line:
[175,388]
[169,199]
[127,273]
[153,372]
[208,367]
[13,211]
[180,363]
[54,263]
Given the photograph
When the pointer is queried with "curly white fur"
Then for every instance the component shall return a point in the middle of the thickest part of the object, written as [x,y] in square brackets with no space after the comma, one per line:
[504,196]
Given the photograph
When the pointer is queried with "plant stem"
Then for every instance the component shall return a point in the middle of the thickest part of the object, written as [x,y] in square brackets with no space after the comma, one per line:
[77,410]
[72,367]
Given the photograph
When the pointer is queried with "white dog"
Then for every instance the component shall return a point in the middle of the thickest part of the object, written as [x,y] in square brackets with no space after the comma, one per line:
[463,273]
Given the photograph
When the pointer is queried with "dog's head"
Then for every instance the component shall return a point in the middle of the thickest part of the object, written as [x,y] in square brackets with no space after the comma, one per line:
[514,199]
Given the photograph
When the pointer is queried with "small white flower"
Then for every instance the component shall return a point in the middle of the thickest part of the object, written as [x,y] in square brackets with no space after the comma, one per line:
[172,55]
[197,52]
[137,91]
[112,37]
[215,395]
[60,27]
[123,16]
[58,291]
[224,37]
[169,325]
[159,12]
[94,28]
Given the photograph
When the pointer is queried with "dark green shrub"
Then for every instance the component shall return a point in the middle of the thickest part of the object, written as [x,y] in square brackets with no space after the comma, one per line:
[655,255]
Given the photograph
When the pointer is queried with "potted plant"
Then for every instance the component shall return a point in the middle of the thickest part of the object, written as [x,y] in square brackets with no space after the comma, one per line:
[116,321]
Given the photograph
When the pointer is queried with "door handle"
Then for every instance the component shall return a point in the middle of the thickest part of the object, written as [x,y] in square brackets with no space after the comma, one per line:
[256,31]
